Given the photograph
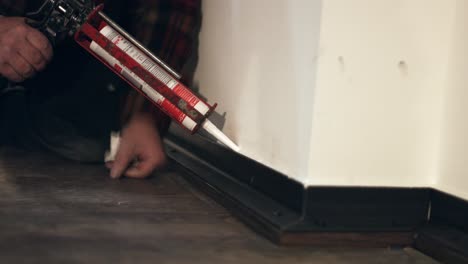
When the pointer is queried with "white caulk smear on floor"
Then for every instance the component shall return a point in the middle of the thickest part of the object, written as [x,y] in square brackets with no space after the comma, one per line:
[219,135]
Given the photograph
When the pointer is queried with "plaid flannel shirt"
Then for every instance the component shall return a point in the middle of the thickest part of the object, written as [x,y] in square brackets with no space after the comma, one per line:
[167,27]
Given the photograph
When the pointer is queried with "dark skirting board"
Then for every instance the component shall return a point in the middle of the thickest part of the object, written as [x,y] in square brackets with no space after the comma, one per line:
[284,211]
[445,235]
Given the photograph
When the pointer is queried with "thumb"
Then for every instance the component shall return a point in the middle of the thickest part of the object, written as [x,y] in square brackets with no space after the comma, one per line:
[122,160]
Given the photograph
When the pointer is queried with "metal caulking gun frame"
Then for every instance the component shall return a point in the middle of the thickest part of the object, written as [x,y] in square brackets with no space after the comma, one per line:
[128,58]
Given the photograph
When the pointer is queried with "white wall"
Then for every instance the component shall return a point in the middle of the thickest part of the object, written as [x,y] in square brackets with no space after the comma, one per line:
[453,174]
[333,92]
[258,61]
[378,100]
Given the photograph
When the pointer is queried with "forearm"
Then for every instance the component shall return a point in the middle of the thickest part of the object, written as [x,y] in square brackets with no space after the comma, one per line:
[136,105]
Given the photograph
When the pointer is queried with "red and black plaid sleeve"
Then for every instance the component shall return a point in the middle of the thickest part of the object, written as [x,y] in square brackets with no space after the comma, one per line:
[19,7]
[12,7]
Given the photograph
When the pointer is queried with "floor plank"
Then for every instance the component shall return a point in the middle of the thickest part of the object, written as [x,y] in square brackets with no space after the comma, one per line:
[57,211]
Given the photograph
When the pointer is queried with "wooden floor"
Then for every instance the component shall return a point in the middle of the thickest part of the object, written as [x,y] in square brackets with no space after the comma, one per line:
[56,211]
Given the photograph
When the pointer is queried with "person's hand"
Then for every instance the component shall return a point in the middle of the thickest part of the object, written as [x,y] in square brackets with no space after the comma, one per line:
[23,49]
[140,151]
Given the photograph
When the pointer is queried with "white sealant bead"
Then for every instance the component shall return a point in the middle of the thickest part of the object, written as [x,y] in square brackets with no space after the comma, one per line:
[219,135]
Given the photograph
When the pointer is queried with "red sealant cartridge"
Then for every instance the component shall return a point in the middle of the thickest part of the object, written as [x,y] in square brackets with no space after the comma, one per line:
[146,73]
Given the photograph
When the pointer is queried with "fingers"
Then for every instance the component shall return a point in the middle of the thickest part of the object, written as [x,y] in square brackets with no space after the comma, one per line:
[32,56]
[135,169]
[10,73]
[23,51]
[40,43]
[122,160]
[16,65]
[36,50]
[22,66]
[145,167]
[141,143]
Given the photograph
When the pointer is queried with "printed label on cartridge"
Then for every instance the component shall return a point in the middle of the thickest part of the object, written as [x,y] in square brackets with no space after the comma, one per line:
[153,68]
[129,76]
[156,97]
[200,106]
[182,118]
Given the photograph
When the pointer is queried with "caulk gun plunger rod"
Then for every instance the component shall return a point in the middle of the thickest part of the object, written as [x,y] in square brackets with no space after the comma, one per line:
[135,42]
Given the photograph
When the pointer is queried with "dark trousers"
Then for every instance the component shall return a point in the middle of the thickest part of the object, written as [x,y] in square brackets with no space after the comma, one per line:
[69,109]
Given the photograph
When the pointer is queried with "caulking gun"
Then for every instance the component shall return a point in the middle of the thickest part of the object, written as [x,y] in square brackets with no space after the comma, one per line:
[129,59]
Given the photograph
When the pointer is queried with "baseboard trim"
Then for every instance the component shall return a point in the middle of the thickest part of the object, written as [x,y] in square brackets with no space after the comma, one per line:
[261,213]
[285,212]
[444,243]
[445,235]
